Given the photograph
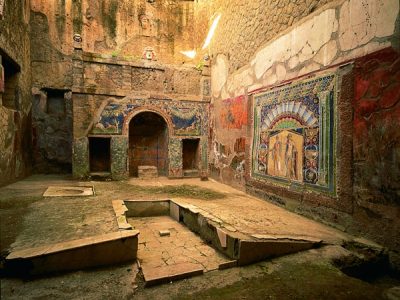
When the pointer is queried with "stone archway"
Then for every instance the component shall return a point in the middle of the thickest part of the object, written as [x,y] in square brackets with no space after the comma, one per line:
[148,142]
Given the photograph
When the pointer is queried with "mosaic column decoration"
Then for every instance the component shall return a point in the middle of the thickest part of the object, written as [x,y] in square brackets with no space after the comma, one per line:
[119,157]
[204,156]
[80,158]
[175,157]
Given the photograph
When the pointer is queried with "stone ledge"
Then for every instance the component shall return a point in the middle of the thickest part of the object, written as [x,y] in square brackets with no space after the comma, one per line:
[100,250]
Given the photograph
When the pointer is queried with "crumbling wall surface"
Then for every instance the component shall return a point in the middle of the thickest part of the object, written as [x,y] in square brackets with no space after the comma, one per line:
[336,39]
[139,34]
[15,112]
[246,25]
[113,28]
[52,131]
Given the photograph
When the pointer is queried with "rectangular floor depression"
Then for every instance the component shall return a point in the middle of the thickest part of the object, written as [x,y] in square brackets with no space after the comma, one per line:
[178,240]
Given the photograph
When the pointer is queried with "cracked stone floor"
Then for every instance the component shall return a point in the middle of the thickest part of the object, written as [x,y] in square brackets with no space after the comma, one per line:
[181,249]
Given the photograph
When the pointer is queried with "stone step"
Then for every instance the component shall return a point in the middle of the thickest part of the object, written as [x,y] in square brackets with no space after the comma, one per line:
[147,172]
[100,176]
[191,173]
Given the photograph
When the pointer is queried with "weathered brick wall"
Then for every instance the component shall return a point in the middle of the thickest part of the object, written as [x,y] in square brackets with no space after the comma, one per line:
[15,136]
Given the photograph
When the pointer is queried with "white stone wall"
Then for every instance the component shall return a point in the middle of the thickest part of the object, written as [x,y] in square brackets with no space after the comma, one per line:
[338,32]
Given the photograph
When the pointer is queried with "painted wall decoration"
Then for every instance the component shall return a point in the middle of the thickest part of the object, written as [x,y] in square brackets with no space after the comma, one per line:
[233,114]
[188,118]
[294,133]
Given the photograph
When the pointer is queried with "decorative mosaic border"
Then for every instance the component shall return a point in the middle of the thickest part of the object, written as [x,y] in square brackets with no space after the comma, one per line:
[303,110]
[187,118]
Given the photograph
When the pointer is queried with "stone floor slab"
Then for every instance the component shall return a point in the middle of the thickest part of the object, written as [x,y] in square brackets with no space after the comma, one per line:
[69,191]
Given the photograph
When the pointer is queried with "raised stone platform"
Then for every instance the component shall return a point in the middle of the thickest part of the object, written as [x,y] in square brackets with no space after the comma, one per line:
[147,172]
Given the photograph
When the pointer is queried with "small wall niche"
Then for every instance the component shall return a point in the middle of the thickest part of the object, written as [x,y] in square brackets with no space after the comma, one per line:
[12,70]
[190,154]
[55,102]
[99,154]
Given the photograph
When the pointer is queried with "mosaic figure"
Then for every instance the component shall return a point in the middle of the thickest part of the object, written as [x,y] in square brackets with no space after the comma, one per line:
[276,155]
[291,158]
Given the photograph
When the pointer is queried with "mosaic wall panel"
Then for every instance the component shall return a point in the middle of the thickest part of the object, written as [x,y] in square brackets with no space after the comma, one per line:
[119,144]
[186,121]
[294,133]
[188,118]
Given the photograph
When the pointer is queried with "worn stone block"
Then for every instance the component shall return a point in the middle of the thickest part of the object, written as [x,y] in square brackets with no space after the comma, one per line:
[145,172]
[164,233]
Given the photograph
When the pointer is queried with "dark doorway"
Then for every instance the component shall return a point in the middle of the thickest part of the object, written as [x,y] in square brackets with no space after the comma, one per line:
[190,154]
[99,153]
[148,143]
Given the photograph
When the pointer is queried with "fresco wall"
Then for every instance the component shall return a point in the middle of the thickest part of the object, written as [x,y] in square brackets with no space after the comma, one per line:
[340,162]
[228,135]
[376,147]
